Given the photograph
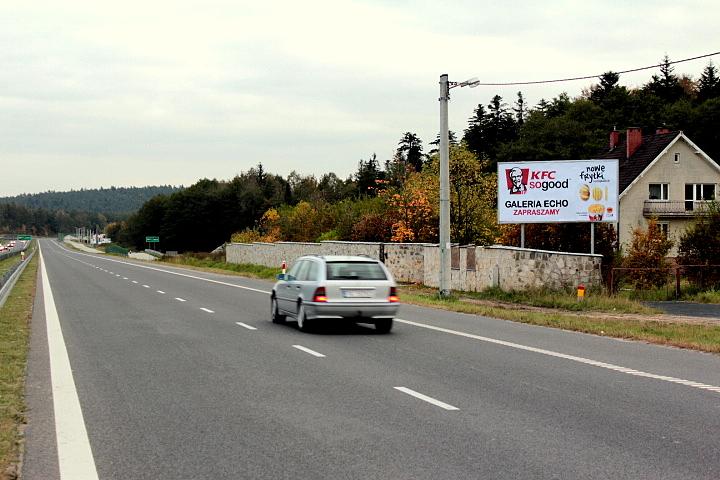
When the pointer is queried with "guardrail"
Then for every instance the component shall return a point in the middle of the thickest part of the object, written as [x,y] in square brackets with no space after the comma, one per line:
[8,279]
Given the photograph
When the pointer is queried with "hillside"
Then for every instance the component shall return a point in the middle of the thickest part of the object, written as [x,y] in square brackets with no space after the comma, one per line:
[113,200]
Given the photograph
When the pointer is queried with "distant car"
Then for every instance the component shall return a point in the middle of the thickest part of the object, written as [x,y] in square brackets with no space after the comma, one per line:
[358,289]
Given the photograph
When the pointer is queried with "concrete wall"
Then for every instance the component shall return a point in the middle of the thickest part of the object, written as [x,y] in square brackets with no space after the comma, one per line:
[510,268]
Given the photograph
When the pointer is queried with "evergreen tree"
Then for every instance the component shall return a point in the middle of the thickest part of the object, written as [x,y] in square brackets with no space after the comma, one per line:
[474,136]
[608,83]
[411,149]
[367,175]
[452,142]
[499,129]
[709,83]
[667,86]
[520,110]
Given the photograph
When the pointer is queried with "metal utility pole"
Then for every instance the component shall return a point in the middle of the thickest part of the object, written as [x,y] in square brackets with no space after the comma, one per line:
[444,189]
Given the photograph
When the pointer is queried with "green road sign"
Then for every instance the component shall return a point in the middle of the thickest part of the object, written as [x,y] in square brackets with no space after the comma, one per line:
[152,239]
[24,237]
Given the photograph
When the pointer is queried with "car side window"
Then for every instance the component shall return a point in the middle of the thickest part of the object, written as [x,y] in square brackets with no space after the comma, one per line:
[303,271]
[296,268]
[313,272]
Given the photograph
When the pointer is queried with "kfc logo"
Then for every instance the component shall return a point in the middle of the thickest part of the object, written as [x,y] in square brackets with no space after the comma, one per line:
[517,180]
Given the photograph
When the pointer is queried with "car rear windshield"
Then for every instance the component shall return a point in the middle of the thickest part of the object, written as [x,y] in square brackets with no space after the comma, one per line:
[355,271]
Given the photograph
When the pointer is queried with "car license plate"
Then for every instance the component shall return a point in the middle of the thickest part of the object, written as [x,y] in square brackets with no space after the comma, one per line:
[357,293]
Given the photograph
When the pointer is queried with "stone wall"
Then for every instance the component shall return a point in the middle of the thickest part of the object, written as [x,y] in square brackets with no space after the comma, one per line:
[512,268]
[474,268]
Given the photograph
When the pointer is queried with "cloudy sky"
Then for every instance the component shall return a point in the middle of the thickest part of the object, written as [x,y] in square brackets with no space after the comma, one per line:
[97,93]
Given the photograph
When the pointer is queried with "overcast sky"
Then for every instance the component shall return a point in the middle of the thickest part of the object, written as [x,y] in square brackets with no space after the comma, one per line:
[97,93]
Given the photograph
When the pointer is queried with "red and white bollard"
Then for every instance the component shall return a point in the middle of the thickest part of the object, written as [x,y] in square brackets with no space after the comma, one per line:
[581,292]
[284,267]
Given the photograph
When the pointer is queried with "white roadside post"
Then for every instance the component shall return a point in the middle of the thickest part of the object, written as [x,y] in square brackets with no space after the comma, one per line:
[445,87]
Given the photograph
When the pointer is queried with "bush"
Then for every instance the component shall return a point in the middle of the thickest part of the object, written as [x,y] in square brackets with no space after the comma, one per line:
[700,245]
[647,252]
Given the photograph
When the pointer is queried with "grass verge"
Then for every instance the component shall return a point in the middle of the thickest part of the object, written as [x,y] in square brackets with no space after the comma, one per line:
[561,300]
[652,329]
[211,264]
[14,333]
[8,263]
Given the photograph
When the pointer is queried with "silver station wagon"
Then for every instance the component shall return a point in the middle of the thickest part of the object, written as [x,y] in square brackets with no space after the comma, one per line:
[359,289]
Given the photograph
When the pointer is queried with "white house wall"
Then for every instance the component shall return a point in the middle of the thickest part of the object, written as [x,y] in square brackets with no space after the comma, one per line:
[692,168]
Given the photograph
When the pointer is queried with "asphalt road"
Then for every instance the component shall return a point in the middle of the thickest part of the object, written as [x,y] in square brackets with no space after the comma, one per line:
[689,309]
[172,387]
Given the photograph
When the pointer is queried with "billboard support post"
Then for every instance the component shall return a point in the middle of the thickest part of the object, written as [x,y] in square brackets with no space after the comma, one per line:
[522,235]
[592,238]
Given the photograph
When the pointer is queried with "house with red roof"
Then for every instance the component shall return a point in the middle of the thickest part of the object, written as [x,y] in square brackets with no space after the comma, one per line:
[662,175]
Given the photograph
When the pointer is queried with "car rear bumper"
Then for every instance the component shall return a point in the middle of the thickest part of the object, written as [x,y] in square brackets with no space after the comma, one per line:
[357,310]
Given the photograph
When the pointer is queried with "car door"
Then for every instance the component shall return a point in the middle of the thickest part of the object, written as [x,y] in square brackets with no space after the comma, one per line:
[286,291]
[300,284]
[310,280]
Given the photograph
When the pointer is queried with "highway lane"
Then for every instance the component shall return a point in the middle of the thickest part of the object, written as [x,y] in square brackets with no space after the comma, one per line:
[172,391]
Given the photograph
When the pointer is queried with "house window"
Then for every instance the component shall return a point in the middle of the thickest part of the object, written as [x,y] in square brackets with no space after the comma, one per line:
[659,191]
[697,192]
[676,158]
[664,228]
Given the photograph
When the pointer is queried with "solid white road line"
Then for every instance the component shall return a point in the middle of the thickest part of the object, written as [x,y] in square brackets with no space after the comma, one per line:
[586,361]
[419,395]
[160,291]
[307,350]
[180,299]
[75,457]
[245,325]
[206,310]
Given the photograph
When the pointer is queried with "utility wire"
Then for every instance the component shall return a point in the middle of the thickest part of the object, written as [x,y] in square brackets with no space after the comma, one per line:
[595,76]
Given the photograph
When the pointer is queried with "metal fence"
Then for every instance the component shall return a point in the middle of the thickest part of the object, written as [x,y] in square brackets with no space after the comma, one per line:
[674,280]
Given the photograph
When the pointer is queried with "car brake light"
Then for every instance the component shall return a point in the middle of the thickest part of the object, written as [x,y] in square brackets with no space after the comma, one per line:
[320,295]
[393,297]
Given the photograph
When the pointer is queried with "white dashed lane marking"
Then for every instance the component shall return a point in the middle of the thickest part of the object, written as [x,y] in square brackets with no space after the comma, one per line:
[180,299]
[307,350]
[425,398]
[206,310]
[245,325]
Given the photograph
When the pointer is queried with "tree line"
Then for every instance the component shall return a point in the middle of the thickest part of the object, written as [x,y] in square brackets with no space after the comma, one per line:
[117,201]
[396,199]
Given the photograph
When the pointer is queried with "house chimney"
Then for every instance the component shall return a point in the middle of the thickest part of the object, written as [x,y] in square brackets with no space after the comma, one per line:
[661,130]
[614,139]
[633,141]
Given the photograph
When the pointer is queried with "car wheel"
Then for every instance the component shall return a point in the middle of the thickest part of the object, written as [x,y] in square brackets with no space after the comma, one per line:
[302,321]
[384,325]
[275,312]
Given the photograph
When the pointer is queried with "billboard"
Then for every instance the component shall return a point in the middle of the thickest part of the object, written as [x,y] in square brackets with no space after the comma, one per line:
[558,191]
